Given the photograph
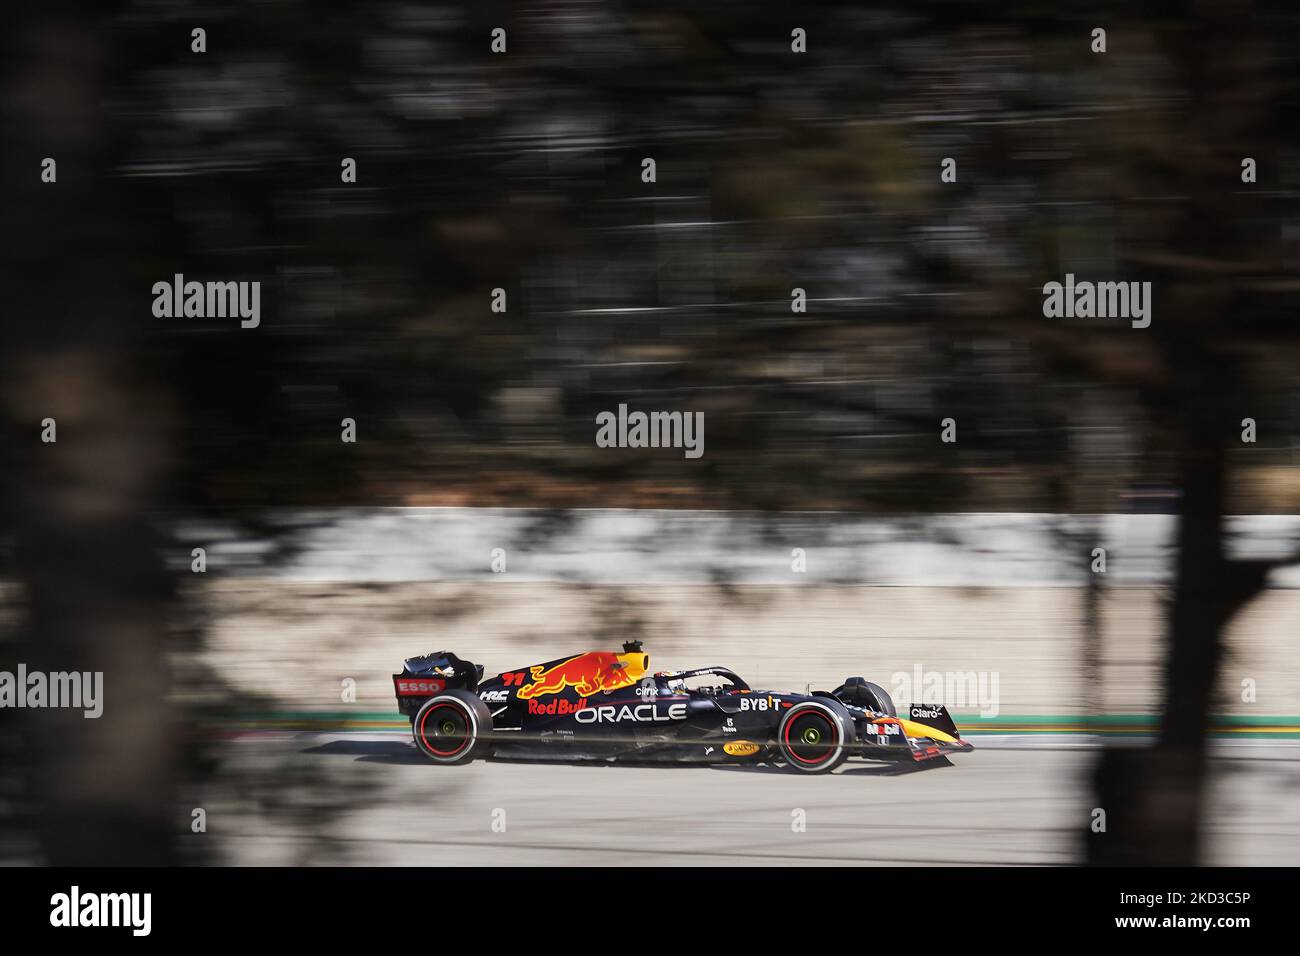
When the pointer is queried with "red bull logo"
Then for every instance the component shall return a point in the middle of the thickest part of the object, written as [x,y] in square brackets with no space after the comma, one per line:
[557,707]
[586,673]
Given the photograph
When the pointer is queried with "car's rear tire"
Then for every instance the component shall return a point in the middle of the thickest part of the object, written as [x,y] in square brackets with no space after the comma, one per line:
[814,736]
[453,727]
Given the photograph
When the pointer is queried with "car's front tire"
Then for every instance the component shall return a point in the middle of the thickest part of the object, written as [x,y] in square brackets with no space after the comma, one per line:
[814,736]
[453,727]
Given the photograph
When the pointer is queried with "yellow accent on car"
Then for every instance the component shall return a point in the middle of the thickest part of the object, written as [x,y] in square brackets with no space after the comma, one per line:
[913,729]
[741,748]
[635,665]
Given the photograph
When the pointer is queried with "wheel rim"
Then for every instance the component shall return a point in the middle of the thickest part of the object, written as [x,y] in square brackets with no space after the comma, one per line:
[811,738]
[445,730]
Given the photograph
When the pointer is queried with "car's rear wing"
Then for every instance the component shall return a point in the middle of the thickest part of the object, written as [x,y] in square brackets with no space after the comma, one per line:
[428,676]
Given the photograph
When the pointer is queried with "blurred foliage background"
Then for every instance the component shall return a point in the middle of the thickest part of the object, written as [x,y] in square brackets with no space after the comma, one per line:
[775,170]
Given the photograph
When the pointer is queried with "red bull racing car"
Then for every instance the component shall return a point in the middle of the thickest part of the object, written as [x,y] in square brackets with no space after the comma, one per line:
[607,705]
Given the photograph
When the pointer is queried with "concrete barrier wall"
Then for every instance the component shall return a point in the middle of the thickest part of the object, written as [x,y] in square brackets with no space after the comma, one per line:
[294,642]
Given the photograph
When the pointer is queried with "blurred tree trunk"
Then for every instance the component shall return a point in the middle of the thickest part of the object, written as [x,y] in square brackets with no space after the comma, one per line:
[94,584]
[98,599]
[1154,797]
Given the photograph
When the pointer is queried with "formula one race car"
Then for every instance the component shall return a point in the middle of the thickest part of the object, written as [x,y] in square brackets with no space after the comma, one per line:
[606,705]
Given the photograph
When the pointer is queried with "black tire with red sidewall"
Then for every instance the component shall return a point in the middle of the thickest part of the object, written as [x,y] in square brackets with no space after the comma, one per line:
[815,736]
[453,727]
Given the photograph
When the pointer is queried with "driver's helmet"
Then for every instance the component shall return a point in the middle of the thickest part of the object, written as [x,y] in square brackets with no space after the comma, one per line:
[676,685]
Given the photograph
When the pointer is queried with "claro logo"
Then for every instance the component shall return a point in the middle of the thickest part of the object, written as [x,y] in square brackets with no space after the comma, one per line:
[641,713]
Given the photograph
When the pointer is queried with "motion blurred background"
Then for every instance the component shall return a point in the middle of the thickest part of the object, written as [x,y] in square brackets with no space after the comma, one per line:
[522,171]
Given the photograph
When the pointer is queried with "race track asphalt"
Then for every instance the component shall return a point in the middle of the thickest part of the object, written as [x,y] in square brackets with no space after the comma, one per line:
[1014,801]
